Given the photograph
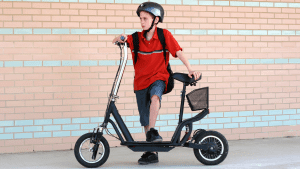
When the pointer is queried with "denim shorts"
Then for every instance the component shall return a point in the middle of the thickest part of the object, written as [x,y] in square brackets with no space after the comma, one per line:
[143,99]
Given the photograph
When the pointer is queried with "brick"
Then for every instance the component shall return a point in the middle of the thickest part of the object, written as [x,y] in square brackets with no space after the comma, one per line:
[281,27]
[62,146]
[113,6]
[69,12]
[246,136]
[275,21]
[14,142]
[34,141]
[294,15]
[50,11]
[213,8]
[254,130]
[14,103]
[252,15]
[207,26]
[133,7]
[14,90]
[275,134]
[12,11]
[41,5]
[19,149]
[266,15]
[78,6]
[199,20]
[245,9]
[260,20]
[52,140]
[230,20]
[232,137]
[60,5]
[7,149]
[182,8]
[237,15]
[239,26]
[198,8]
[64,109]
[178,19]
[96,6]
[261,135]
[14,116]
[191,14]
[290,133]
[32,11]
[43,147]
[239,130]
[6,4]
[206,14]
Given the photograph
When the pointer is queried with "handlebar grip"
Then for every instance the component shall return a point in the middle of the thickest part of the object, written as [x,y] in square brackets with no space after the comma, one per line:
[122,38]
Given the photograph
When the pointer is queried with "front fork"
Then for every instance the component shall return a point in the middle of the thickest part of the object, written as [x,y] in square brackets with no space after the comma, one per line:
[96,136]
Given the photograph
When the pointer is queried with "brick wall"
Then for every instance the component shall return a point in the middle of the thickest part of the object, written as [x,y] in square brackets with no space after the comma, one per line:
[57,66]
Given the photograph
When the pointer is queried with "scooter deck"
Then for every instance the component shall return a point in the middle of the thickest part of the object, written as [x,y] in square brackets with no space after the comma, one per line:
[137,143]
[163,146]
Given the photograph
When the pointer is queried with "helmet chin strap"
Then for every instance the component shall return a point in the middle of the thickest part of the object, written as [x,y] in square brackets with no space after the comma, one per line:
[145,34]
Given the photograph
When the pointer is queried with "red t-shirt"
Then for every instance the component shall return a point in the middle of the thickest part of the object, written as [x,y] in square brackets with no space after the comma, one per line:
[151,65]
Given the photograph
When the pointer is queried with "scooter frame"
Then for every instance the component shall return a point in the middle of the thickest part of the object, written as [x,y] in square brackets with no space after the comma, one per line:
[163,146]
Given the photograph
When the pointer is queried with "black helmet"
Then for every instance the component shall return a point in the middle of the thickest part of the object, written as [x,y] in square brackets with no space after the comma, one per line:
[153,8]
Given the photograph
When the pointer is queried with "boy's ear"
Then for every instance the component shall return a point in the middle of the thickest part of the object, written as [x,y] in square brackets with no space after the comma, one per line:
[156,20]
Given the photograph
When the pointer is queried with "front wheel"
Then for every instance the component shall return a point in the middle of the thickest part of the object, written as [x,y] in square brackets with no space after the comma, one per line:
[218,148]
[84,151]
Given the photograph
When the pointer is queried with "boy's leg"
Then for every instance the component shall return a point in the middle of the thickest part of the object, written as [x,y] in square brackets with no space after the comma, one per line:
[154,108]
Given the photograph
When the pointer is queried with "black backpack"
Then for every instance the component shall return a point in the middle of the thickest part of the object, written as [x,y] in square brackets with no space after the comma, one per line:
[161,38]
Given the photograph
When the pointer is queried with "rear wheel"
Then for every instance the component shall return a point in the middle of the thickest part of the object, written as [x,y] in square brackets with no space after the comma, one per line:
[84,151]
[218,148]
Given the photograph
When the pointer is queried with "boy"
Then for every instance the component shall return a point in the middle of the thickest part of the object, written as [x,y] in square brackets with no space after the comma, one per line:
[151,75]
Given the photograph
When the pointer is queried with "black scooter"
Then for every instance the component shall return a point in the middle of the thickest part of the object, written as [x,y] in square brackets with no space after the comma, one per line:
[210,147]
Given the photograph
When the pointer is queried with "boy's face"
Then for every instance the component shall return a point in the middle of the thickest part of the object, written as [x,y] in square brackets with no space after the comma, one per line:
[146,20]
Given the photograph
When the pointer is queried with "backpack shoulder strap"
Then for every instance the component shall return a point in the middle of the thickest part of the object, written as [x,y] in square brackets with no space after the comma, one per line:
[161,37]
[135,38]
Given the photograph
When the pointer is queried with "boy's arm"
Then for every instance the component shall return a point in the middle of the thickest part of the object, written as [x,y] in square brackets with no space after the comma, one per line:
[184,60]
[187,64]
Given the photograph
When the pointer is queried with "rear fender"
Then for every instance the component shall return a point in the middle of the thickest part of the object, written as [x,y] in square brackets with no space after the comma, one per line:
[197,133]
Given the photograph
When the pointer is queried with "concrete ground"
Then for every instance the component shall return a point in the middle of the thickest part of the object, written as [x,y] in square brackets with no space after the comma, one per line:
[274,153]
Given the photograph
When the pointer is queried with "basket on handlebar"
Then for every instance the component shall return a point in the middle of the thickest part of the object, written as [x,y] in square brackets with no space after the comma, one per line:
[198,99]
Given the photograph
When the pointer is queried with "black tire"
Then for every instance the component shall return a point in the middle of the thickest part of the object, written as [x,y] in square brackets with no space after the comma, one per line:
[220,151]
[78,151]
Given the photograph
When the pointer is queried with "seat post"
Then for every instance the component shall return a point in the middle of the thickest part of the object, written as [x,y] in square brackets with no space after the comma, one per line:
[182,102]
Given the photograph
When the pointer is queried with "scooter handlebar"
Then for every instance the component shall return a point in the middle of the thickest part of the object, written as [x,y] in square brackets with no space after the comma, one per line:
[119,43]
[122,38]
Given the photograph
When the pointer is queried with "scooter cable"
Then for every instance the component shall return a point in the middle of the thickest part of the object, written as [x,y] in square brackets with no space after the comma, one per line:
[111,134]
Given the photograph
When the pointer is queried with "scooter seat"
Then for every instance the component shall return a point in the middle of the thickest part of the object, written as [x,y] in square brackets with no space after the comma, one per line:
[184,78]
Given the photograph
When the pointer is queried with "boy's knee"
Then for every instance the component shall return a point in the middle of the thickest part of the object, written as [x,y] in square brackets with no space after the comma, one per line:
[154,97]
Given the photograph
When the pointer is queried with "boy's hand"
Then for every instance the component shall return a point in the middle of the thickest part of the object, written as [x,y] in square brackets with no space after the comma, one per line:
[196,74]
[120,40]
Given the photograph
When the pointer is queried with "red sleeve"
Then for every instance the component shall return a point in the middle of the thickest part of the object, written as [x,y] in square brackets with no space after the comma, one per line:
[171,44]
[130,44]
[129,41]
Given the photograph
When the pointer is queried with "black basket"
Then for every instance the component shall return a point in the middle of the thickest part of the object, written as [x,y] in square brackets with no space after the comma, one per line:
[198,99]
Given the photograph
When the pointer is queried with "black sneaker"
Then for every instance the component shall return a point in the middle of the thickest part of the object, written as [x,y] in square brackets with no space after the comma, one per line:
[153,136]
[148,157]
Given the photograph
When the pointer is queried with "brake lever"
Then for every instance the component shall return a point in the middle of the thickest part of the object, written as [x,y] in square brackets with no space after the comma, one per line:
[193,83]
